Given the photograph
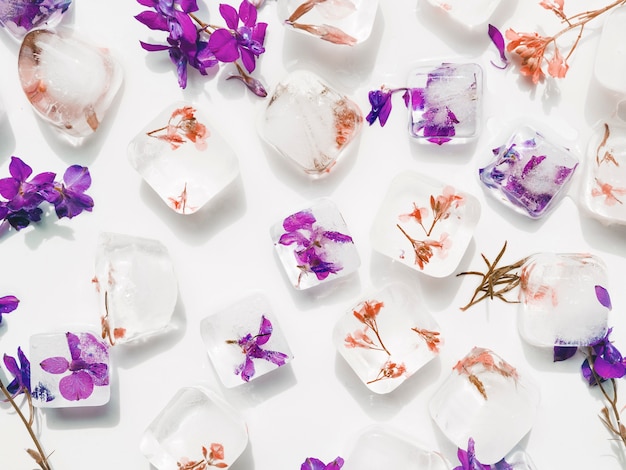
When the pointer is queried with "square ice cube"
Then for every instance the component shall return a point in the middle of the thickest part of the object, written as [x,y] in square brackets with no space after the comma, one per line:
[486,399]
[529,173]
[183,158]
[472,15]
[380,447]
[387,337]
[244,341]
[196,426]
[564,301]
[136,285]
[425,224]
[309,123]
[603,191]
[610,57]
[314,245]
[346,22]
[445,102]
[69,369]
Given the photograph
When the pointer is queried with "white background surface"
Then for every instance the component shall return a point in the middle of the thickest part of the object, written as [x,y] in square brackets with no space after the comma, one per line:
[314,406]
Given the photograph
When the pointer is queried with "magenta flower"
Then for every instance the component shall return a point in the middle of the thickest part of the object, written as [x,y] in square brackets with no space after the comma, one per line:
[28,14]
[251,347]
[311,463]
[20,373]
[244,41]
[70,198]
[468,458]
[8,303]
[88,366]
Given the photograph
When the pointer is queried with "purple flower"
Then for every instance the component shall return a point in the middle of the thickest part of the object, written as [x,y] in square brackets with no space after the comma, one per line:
[27,14]
[21,373]
[438,124]
[88,366]
[244,41]
[608,362]
[380,100]
[70,198]
[311,463]
[8,303]
[468,458]
[21,193]
[251,347]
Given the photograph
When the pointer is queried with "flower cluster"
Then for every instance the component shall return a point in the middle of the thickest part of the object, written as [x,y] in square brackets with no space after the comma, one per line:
[24,196]
[468,460]
[193,43]
[210,458]
[312,463]
[182,127]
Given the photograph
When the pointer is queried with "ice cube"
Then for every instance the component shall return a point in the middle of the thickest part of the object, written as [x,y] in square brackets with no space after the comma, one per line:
[445,102]
[603,191]
[195,426]
[309,123]
[387,337]
[563,299]
[21,16]
[244,340]
[136,285]
[610,57]
[518,459]
[488,400]
[183,157]
[472,15]
[347,22]
[429,238]
[69,82]
[379,447]
[314,245]
[529,173]
[69,369]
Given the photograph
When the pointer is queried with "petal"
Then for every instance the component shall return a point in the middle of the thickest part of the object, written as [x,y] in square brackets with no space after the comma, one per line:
[188,6]
[19,170]
[608,370]
[153,20]
[265,331]
[224,45]
[55,365]
[99,373]
[247,371]
[11,364]
[8,303]
[230,16]
[9,188]
[299,220]
[603,297]
[561,353]
[76,386]
[293,237]
[74,344]
[77,177]
[311,463]
[258,33]
[248,59]
[247,13]
[153,47]
[338,237]
[335,464]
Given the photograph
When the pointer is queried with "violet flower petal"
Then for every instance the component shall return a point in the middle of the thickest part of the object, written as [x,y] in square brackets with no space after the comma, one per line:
[265,331]
[153,20]
[498,41]
[335,464]
[603,297]
[608,370]
[230,15]
[337,237]
[8,303]
[311,463]
[302,220]
[247,13]
[55,365]
[224,45]
[561,353]
[76,386]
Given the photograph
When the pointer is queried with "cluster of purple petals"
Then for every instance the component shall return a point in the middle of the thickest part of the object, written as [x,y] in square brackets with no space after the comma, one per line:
[24,196]
[468,460]
[312,463]
[191,43]
[29,14]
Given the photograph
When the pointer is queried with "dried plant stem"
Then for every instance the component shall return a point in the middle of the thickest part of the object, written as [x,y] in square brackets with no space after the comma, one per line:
[39,456]
[497,281]
[616,427]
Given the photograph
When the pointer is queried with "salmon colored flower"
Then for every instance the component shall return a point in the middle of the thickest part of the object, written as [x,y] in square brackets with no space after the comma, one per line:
[530,47]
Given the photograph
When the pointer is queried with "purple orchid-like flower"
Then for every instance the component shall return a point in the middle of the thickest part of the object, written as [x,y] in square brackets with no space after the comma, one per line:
[251,346]
[70,198]
[21,373]
[28,14]
[608,362]
[21,193]
[468,458]
[310,241]
[380,100]
[8,303]
[245,41]
[88,366]
[312,463]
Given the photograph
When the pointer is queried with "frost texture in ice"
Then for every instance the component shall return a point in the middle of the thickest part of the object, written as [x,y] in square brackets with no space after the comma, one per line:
[387,337]
[487,399]
[195,418]
[136,285]
[470,14]
[445,102]
[21,16]
[560,305]
[69,82]
[183,158]
[309,123]
[529,173]
[264,350]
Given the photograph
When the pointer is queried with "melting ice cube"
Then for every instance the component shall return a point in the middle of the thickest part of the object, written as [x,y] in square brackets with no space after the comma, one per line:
[610,57]
[136,285]
[69,82]
[486,399]
[563,300]
[21,16]
[470,14]
[195,426]
[309,123]
[183,158]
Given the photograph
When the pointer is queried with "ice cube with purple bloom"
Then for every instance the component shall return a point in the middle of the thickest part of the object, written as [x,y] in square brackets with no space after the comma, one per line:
[564,299]
[445,102]
[314,245]
[244,340]
[21,16]
[529,173]
[69,369]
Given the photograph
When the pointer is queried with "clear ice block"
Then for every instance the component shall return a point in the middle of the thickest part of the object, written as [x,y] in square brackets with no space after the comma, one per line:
[603,191]
[486,399]
[195,427]
[183,158]
[347,22]
[518,459]
[309,123]
[21,16]
[69,82]
[445,102]
[563,299]
[387,337]
[314,245]
[610,57]
[425,224]
[472,15]
[244,341]
[136,286]
[69,369]
[529,173]
[379,447]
